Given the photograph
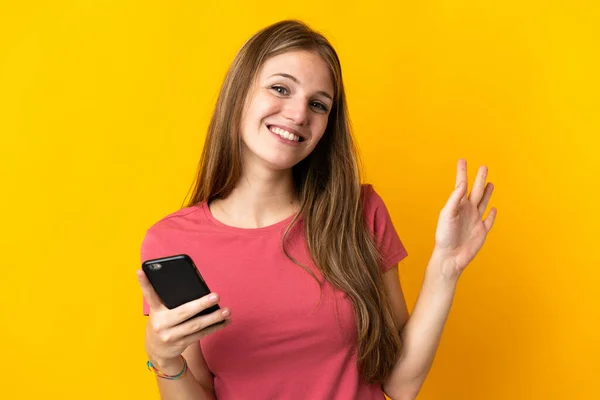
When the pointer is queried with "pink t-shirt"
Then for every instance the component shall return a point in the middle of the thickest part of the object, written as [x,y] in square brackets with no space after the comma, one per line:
[282,343]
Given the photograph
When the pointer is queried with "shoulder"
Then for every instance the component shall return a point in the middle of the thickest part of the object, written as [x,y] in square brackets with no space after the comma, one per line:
[176,221]
[379,222]
[372,201]
[375,212]
[173,228]
[374,209]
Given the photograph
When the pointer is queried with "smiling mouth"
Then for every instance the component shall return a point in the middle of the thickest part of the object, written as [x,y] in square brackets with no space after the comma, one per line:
[285,134]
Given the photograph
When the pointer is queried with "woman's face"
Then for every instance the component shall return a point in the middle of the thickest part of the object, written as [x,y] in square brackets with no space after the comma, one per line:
[287,109]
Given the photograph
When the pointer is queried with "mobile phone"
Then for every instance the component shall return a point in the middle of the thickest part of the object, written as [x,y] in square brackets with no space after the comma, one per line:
[177,281]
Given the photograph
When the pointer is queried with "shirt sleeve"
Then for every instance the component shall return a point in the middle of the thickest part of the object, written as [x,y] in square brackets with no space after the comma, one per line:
[380,224]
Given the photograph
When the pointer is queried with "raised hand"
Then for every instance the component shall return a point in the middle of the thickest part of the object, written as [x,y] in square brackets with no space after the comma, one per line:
[461,231]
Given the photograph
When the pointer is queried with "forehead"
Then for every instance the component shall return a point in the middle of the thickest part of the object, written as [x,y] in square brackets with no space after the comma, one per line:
[307,67]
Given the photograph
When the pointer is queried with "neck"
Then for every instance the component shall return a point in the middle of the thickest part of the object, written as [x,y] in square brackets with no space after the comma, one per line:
[262,197]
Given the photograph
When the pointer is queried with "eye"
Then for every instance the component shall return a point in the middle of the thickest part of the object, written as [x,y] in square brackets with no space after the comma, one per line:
[280,89]
[319,106]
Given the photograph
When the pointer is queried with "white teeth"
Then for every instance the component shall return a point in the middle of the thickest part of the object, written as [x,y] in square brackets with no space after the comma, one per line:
[285,134]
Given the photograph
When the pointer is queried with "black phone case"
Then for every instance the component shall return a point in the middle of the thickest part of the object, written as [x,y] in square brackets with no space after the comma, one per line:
[177,281]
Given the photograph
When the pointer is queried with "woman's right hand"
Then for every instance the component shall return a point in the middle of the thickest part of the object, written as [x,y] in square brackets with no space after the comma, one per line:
[167,335]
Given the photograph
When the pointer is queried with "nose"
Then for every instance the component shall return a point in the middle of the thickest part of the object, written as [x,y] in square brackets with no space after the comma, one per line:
[296,110]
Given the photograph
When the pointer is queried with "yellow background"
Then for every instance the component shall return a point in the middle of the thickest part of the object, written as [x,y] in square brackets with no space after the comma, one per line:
[103,111]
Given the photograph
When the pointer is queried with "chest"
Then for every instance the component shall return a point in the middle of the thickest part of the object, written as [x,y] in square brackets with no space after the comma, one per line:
[277,306]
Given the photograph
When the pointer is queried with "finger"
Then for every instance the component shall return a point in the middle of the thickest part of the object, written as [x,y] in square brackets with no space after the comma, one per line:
[191,308]
[201,323]
[488,222]
[489,188]
[194,337]
[461,172]
[478,186]
[148,291]
[457,195]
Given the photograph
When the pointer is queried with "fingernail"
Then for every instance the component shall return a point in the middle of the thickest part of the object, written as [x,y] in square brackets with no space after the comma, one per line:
[213,297]
[226,313]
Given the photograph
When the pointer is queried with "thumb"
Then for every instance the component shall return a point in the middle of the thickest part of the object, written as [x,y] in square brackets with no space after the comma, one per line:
[148,291]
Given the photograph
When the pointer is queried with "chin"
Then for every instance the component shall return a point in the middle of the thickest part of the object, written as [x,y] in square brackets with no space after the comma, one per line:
[272,157]
[280,165]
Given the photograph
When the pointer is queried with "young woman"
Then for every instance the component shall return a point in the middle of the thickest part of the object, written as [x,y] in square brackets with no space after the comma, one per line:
[301,256]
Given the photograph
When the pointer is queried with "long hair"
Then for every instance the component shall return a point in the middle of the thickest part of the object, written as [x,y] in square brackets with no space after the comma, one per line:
[328,186]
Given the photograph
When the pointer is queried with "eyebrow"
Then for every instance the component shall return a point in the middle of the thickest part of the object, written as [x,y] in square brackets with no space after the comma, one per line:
[293,78]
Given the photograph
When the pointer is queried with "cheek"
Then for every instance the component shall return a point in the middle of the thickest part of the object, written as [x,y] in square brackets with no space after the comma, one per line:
[320,127]
[261,107]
